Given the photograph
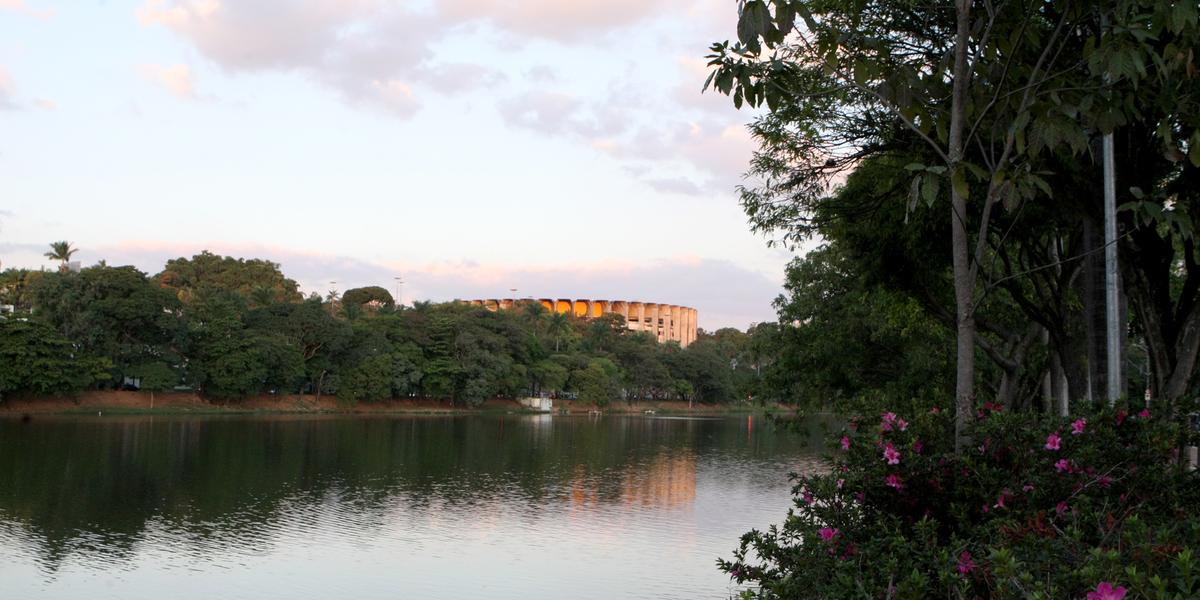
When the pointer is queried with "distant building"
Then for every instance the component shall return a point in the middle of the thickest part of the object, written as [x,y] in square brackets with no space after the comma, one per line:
[667,322]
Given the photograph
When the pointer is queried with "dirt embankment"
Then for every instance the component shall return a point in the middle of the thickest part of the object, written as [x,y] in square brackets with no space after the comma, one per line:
[190,402]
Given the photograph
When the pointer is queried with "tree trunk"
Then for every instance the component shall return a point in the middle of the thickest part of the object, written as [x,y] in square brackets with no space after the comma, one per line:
[1062,392]
[964,284]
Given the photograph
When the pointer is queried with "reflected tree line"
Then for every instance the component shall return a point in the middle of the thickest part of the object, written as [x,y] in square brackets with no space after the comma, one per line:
[70,483]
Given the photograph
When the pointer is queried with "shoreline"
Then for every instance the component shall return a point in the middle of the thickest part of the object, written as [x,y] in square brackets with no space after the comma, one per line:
[183,403]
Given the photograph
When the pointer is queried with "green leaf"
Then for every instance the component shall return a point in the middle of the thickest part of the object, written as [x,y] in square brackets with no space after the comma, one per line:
[785,18]
[754,21]
[831,62]
[958,179]
[1042,185]
[861,73]
[929,189]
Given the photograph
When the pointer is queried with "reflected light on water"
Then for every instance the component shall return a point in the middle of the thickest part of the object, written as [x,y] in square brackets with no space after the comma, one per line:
[430,507]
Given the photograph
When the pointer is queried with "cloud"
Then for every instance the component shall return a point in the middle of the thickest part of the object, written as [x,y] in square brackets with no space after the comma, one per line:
[20,7]
[372,53]
[387,56]
[543,74]
[674,185]
[395,96]
[548,112]
[725,294]
[176,79]
[45,104]
[559,19]
[8,90]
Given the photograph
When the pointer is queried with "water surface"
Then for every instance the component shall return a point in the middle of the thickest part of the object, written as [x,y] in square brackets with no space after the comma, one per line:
[456,507]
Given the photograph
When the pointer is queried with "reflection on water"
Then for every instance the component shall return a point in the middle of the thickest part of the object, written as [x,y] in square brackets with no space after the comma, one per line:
[442,507]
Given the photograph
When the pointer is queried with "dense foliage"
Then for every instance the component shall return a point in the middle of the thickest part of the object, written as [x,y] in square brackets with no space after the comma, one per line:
[1041,508]
[948,158]
[231,328]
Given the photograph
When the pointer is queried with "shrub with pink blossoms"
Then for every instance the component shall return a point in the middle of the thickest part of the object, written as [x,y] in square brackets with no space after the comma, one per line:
[1107,512]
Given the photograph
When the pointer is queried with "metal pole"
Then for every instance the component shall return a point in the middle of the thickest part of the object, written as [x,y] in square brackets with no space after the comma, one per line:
[1110,273]
[1112,318]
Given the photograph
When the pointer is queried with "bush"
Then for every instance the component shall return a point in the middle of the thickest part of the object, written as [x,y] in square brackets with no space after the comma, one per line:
[1094,507]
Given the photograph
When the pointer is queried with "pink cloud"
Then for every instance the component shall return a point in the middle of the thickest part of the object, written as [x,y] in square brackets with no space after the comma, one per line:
[21,7]
[176,79]
[558,19]
[371,53]
[387,57]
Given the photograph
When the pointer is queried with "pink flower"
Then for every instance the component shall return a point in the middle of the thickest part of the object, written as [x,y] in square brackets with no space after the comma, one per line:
[828,533]
[840,483]
[1061,508]
[1106,591]
[806,496]
[1052,441]
[1077,426]
[965,564]
[1121,415]
[1027,488]
[894,481]
[918,446]
[1104,481]
[891,455]
[888,420]
[1145,414]
[901,424]
[1063,465]
[845,443]
[1004,495]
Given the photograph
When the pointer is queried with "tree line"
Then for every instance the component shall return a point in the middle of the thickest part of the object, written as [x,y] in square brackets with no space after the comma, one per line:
[230,328]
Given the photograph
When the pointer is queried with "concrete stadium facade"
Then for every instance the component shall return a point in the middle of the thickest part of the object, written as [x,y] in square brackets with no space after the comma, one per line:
[667,322]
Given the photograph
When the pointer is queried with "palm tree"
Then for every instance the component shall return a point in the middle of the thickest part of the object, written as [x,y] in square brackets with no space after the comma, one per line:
[559,324]
[61,251]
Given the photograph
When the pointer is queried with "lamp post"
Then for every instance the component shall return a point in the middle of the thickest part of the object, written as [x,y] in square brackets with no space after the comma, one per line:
[399,283]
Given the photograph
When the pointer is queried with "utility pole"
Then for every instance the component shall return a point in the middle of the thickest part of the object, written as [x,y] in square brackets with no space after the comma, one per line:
[399,283]
[1112,316]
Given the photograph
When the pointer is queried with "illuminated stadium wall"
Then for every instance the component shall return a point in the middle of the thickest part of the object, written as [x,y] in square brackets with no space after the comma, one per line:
[667,322]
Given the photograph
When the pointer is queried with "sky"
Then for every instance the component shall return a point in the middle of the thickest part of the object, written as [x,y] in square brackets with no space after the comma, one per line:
[470,147]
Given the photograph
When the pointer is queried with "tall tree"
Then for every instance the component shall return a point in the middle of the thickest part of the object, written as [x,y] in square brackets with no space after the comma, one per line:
[253,279]
[62,252]
[982,87]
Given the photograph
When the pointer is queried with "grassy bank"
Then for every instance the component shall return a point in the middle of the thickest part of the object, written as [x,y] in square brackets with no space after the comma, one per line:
[125,402]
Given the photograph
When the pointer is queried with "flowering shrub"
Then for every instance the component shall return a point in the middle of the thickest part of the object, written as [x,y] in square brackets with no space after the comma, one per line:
[1091,507]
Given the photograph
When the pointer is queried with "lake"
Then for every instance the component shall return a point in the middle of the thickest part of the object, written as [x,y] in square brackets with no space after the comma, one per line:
[475,506]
